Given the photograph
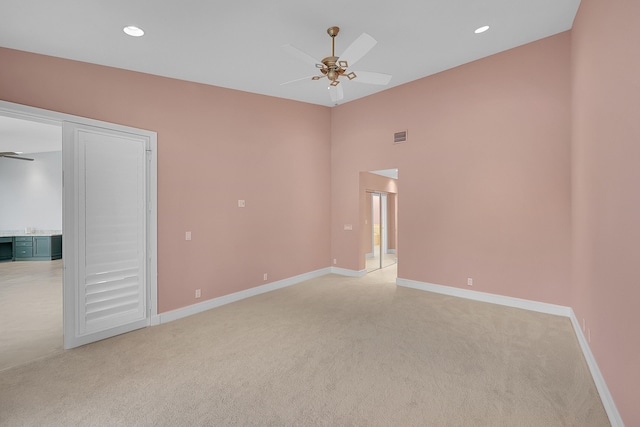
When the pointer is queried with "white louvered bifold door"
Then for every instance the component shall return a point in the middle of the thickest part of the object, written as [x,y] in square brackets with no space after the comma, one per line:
[105,276]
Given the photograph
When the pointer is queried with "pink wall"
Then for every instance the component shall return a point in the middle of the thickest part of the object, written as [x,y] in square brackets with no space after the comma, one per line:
[215,146]
[485,173]
[606,196]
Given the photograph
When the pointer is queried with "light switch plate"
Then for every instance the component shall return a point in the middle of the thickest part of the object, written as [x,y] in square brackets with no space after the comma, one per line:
[241,203]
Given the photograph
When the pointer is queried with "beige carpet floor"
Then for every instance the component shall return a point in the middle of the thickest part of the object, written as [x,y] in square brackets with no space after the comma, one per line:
[332,351]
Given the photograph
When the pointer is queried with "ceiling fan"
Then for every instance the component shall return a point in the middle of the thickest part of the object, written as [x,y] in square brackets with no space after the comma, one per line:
[13,155]
[334,68]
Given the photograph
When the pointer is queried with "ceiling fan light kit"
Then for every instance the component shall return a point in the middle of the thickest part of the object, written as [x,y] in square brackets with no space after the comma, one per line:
[332,67]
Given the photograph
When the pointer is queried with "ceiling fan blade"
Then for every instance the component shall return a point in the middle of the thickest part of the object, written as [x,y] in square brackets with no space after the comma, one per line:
[372,78]
[297,53]
[16,157]
[297,80]
[358,49]
[336,93]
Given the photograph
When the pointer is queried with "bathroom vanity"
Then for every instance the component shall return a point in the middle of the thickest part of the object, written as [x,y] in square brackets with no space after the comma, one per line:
[30,247]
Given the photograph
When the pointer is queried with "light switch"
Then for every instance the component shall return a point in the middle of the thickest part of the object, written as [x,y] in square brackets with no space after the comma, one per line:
[187,235]
[348,227]
[241,204]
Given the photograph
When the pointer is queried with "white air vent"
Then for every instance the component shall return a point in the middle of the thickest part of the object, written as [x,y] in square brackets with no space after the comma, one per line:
[399,137]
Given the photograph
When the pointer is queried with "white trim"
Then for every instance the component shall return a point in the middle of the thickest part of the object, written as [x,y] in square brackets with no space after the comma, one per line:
[383,223]
[607,400]
[541,307]
[236,296]
[346,272]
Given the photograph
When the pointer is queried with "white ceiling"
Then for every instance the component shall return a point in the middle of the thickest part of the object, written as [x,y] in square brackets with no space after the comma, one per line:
[389,173]
[237,44]
[29,137]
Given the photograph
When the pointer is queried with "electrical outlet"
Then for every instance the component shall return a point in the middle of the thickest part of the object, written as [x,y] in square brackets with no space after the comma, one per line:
[469,281]
[198,293]
[241,203]
[264,277]
[187,235]
[335,261]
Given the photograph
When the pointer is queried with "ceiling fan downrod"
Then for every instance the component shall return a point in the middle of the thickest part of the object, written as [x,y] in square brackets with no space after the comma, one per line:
[333,68]
[333,32]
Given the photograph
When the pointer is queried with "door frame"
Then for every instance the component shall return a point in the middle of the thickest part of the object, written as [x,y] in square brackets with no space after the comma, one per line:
[34,114]
[383,214]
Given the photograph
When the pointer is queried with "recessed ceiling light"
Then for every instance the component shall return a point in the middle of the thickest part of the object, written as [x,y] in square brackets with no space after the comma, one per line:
[481,29]
[133,31]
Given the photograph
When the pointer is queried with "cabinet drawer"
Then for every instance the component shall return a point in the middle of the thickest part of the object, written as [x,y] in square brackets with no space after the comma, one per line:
[24,252]
[22,244]
[23,238]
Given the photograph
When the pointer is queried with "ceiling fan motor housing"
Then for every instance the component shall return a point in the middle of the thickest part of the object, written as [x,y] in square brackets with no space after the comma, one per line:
[331,68]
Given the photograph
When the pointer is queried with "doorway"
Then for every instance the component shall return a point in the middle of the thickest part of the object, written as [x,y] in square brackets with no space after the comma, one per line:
[31,287]
[85,143]
[381,254]
[379,214]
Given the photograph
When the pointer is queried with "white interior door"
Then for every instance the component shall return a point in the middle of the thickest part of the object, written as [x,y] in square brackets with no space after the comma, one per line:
[106,283]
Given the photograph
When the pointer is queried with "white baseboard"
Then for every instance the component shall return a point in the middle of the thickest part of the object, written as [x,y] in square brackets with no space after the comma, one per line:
[607,400]
[391,251]
[346,272]
[237,296]
[542,307]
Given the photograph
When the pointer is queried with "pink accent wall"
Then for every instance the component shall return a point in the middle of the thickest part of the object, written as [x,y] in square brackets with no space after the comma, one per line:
[215,146]
[606,191]
[485,173]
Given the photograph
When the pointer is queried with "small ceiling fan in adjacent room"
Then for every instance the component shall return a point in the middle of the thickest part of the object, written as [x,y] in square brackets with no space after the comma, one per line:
[13,155]
[334,68]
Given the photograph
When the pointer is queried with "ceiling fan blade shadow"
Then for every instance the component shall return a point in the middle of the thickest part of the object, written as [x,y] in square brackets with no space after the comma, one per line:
[358,49]
[336,93]
[297,53]
[372,78]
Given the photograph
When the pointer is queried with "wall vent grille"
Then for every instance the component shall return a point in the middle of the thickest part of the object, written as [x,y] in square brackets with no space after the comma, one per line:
[400,137]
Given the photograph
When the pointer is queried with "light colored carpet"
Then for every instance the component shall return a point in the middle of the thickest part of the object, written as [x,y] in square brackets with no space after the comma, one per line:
[330,351]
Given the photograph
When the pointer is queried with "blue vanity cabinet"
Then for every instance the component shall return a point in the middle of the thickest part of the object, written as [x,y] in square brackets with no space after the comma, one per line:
[47,247]
[42,247]
[56,247]
[22,247]
[34,248]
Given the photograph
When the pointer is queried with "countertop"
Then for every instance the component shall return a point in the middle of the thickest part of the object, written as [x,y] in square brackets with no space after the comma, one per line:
[21,233]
